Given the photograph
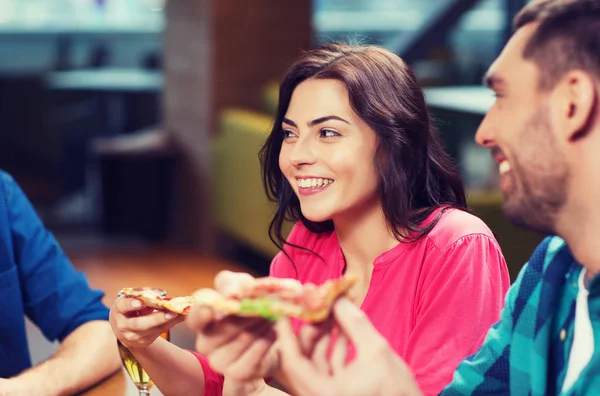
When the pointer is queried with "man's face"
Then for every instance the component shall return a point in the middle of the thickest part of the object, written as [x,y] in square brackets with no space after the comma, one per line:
[520,132]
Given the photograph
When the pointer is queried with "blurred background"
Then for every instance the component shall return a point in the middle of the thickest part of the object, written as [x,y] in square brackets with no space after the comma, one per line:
[134,125]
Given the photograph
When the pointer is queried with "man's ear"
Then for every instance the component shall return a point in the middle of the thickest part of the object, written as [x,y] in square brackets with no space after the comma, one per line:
[578,96]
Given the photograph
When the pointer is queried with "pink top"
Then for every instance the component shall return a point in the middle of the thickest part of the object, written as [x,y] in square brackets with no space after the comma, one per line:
[213,381]
[433,300]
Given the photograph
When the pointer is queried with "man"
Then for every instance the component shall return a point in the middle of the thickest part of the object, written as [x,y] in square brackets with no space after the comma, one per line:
[37,280]
[544,132]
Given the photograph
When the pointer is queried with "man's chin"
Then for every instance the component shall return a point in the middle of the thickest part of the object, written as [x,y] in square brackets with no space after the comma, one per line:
[514,216]
[523,216]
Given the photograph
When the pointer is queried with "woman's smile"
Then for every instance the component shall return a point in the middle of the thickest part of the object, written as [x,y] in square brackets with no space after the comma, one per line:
[312,185]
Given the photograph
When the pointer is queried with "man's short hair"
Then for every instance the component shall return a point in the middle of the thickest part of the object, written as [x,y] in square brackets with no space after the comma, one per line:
[567,38]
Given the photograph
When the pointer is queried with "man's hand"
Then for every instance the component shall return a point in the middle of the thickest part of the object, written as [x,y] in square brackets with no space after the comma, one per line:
[14,387]
[377,370]
[18,387]
[77,364]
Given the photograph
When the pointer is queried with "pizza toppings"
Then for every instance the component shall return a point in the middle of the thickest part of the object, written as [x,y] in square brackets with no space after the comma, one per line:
[267,297]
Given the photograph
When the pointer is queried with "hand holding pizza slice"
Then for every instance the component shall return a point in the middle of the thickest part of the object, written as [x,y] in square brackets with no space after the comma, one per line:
[267,297]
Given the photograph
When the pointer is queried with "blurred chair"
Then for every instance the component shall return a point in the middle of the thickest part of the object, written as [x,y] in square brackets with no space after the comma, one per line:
[241,209]
[34,126]
[135,174]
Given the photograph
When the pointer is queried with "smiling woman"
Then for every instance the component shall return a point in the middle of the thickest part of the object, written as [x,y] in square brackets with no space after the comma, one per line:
[354,160]
[367,101]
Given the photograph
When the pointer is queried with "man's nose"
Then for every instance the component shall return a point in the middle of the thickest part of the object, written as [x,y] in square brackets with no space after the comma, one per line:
[485,133]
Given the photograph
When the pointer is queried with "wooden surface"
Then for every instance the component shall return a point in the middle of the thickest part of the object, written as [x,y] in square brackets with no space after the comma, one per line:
[117,385]
[179,273]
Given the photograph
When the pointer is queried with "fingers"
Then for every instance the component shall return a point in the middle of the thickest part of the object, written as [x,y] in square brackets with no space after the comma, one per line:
[140,312]
[132,315]
[356,325]
[299,371]
[139,332]
[152,322]
[288,343]
[339,353]
[200,318]
[225,355]
[310,333]
[222,331]
[308,337]
[128,305]
[250,362]
[227,282]
[321,353]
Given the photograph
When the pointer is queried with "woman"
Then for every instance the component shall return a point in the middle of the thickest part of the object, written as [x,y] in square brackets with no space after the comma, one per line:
[354,161]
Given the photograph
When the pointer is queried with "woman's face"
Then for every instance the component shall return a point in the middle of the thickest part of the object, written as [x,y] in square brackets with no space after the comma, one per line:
[328,152]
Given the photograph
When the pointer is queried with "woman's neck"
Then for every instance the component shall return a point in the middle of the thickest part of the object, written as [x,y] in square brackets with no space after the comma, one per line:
[363,237]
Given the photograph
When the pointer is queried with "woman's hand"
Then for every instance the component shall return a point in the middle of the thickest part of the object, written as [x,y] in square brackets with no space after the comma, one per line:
[137,326]
[239,348]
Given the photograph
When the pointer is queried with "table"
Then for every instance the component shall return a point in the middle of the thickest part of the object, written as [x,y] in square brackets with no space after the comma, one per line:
[117,384]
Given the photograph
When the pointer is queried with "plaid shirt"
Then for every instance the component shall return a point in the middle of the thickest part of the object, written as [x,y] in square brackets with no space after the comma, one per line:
[526,352]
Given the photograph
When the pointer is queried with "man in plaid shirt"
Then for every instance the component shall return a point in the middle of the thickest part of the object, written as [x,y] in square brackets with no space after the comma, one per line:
[544,132]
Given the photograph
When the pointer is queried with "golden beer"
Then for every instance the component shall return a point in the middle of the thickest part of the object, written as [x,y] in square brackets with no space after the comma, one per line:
[135,370]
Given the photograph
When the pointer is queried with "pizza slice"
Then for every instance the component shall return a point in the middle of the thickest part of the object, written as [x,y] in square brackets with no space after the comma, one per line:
[268,297]
[151,299]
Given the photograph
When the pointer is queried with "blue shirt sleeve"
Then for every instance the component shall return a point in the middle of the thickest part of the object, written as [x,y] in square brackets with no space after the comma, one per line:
[56,298]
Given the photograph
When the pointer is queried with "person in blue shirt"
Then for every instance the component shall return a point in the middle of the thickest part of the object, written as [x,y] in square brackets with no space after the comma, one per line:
[38,281]
[544,132]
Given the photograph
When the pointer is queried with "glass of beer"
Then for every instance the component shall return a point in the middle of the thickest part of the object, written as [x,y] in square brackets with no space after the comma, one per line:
[135,370]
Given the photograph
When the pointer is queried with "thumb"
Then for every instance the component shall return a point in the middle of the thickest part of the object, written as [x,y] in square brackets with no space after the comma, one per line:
[355,324]
[289,345]
[298,370]
[230,283]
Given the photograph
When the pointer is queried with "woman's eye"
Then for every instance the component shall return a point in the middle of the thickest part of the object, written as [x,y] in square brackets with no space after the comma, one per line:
[328,133]
[288,134]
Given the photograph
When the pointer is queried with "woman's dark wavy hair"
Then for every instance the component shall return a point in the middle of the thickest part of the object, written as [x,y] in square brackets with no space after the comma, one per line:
[416,174]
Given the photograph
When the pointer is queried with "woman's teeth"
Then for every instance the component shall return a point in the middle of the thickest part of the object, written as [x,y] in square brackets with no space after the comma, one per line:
[311,183]
[504,167]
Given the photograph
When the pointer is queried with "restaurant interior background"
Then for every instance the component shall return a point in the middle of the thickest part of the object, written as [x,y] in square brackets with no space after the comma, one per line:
[134,125]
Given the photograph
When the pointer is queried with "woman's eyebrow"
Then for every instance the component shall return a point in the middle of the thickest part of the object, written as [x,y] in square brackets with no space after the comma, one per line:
[314,122]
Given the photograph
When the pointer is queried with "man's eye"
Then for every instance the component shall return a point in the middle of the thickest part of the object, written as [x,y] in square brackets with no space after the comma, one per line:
[328,133]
